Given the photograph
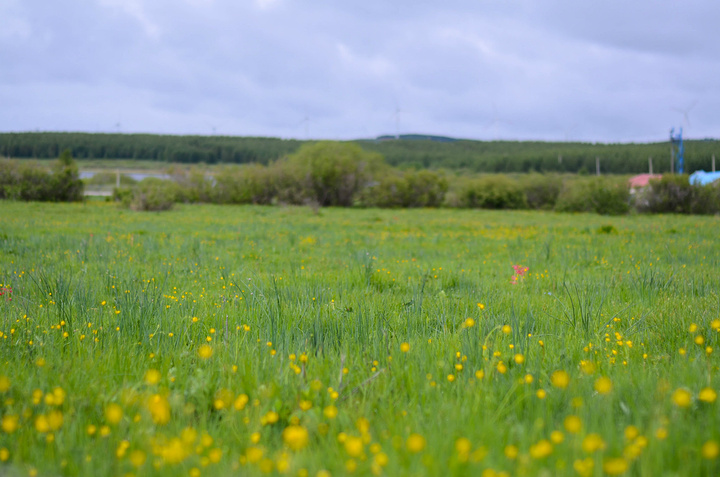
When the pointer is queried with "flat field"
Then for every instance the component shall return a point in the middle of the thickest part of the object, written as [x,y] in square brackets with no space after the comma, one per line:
[223,340]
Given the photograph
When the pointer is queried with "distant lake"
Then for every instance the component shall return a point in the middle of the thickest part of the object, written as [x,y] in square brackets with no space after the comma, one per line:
[138,176]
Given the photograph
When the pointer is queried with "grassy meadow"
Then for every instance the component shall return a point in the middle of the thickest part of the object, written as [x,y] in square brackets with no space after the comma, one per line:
[248,340]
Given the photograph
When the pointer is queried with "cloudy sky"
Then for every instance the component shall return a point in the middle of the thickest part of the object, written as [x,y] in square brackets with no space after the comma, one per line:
[590,70]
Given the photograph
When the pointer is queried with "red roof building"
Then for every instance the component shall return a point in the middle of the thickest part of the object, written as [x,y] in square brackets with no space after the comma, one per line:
[642,180]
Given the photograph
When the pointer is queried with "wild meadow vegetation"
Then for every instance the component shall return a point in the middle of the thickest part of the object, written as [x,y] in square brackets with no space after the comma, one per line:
[252,340]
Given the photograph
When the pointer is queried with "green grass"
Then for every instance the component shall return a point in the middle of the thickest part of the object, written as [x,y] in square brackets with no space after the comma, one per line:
[309,313]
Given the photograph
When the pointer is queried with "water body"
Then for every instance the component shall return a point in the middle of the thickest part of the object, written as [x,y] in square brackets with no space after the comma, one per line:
[138,176]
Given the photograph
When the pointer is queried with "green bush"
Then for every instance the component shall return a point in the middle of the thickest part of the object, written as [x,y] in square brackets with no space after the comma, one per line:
[671,194]
[425,189]
[706,199]
[492,192]
[541,190]
[123,195]
[408,189]
[65,183]
[24,180]
[333,173]
[602,195]
[387,192]
[153,194]
[194,185]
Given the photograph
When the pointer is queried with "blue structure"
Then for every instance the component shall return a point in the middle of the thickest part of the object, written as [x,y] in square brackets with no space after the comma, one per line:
[677,150]
[704,178]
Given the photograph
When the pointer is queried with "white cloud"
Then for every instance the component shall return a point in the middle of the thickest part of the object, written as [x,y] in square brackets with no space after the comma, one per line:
[266,4]
[135,9]
[262,66]
[13,28]
[372,66]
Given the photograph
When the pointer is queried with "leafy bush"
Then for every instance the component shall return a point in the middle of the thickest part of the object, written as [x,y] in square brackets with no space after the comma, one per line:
[541,190]
[670,194]
[333,173]
[152,194]
[674,194]
[31,181]
[65,182]
[492,192]
[194,185]
[706,199]
[409,189]
[602,195]
[387,192]
[425,189]
[24,181]
[123,195]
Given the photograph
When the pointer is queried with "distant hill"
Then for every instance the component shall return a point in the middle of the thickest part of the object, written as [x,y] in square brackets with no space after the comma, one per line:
[410,151]
[416,137]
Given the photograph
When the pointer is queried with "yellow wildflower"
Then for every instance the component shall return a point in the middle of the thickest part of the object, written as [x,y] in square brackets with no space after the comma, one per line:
[603,385]
[710,450]
[573,424]
[415,443]
[295,437]
[560,379]
[707,395]
[682,397]
[615,466]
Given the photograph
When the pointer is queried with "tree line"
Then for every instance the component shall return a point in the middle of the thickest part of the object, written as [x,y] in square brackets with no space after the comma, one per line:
[408,152]
[165,148]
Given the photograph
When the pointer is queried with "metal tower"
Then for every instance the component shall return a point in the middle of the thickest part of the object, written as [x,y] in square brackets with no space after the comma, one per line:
[677,150]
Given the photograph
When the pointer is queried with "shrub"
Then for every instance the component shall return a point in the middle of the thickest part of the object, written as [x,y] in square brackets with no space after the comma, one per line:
[65,183]
[153,194]
[387,192]
[123,195]
[671,194]
[409,189]
[24,180]
[424,189]
[541,190]
[333,173]
[194,185]
[706,199]
[492,192]
[602,195]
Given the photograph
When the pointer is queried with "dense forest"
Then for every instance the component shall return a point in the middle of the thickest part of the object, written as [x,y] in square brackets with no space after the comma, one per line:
[414,152]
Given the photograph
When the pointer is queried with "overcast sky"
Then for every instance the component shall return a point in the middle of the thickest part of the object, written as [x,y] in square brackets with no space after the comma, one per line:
[582,70]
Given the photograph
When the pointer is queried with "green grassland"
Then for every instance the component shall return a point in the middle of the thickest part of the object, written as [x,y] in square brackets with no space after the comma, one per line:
[248,340]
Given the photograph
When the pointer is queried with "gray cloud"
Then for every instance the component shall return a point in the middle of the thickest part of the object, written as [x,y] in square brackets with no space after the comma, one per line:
[554,70]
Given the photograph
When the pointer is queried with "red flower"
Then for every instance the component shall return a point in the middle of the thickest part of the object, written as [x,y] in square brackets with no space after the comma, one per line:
[7,291]
[519,273]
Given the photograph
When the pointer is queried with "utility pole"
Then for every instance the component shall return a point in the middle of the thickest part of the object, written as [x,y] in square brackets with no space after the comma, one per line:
[672,161]
[397,123]
[650,164]
[713,163]
[597,165]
